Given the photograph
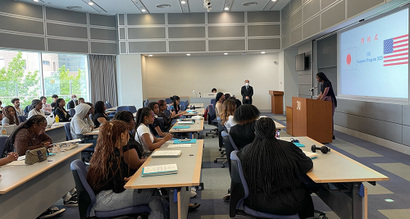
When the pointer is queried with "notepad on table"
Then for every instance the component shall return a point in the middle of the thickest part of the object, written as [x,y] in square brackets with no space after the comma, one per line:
[311,155]
[179,146]
[185,122]
[167,153]
[182,127]
[185,141]
[299,144]
[158,170]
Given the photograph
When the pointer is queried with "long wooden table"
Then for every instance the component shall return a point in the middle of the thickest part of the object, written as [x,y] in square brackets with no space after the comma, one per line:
[193,129]
[189,174]
[26,191]
[342,179]
[195,112]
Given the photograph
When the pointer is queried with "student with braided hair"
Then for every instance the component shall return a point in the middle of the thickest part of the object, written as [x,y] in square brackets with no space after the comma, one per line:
[109,172]
[272,170]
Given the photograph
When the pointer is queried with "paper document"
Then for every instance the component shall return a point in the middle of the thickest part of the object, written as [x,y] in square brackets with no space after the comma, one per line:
[311,155]
[159,170]
[167,153]
[179,146]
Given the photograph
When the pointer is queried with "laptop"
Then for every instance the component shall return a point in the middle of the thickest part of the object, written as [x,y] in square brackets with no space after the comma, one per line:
[9,129]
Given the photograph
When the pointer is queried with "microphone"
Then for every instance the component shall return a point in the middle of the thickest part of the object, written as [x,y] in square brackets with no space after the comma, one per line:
[311,89]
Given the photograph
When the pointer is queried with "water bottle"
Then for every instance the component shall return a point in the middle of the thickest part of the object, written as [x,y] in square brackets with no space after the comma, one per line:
[3,131]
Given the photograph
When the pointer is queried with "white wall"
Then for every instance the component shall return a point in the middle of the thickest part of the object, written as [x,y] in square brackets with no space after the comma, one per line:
[175,75]
[290,75]
[129,80]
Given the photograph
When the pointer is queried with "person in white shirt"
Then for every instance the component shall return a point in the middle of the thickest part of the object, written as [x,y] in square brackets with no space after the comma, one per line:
[145,117]
[37,105]
[46,107]
[16,104]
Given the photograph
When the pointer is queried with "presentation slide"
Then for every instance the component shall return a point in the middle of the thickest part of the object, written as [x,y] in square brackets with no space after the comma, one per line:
[373,58]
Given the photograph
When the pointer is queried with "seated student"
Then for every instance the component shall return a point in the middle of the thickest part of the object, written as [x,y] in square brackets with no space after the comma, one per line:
[228,109]
[100,116]
[60,111]
[11,156]
[46,107]
[81,123]
[73,102]
[218,106]
[54,103]
[214,90]
[36,105]
[133,150]
[30,135]
[272,170]
[243,132]
[109,172]
[165,114]
[143,135]
[155,127]
[175,110]
[81,100]
[16,104]
[10,116]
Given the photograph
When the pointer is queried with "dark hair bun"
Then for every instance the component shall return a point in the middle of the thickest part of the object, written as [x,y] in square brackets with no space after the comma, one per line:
[265,128]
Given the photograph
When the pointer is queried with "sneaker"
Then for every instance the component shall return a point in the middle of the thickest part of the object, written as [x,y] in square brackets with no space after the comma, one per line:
[193,207]
[227,197]
[193,194]
[51,212]
[72,202]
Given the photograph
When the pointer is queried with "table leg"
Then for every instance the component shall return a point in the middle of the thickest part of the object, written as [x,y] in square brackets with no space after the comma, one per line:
[179,208]
[357,204]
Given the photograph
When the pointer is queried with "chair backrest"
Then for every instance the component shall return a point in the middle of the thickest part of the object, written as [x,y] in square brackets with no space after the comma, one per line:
[72,112]
[228,147]
[241,192]
[233,143]
[213,102]
[68,136]
[133,109]
[2,144]
[182,106]
[27,109]
[211,114]
[168,100]
[123,108]
[107,104]
[85,195]
[22,118]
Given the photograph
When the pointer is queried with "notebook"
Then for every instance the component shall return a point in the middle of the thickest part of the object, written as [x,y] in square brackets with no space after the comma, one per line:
[158,170]
[311,155]
[299,144]
[185,122]
[182,127]
[185,141]
[167,153]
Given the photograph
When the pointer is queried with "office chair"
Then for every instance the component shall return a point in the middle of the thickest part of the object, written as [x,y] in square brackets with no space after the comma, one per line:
[212,121]
[72,112]
[123,108]
[67,129]
[27,109]
[221,129]
[229,147]
[22,118]
[240,192]
[107,104]
[86,197]
[2,144]
[133,109]
[213,102]
[168,100]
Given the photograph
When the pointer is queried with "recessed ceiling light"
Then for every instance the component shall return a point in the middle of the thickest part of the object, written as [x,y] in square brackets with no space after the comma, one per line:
[274,0]
[226,8]
[225,53]
[163,6]
[36,0]
[188,54]
[150,55]
[249,4]
[143,10]
[183,2]
[263,52]
[74,7]
[90,3]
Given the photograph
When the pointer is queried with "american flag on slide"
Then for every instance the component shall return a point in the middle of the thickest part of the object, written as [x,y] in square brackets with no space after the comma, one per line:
[396,51]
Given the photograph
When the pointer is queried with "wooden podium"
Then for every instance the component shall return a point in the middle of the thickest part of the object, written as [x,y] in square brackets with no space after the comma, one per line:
[312,118]
[276,101]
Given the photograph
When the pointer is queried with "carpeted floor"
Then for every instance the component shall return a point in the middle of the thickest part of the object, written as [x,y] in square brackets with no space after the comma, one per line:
[389,199]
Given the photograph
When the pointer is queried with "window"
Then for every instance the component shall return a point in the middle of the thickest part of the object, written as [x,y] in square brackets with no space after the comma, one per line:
[62,74]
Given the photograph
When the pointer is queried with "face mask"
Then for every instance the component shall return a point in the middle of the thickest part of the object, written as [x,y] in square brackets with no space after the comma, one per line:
[247,84]
[74,99]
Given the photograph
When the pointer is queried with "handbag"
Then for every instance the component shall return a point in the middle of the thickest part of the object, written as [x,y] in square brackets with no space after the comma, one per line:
[36,155]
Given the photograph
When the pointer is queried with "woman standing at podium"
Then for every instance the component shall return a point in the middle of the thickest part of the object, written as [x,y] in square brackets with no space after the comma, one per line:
[327,94]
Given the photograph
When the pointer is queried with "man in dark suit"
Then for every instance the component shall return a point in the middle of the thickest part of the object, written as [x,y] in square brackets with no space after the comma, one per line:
[73,102]
[247,93]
